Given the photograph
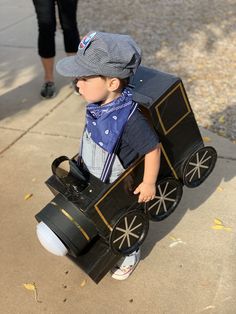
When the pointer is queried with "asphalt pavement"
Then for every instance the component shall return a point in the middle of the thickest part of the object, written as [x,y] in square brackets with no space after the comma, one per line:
[188,260]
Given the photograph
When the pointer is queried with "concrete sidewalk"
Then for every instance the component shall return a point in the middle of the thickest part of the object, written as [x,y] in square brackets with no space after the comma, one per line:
[187,266]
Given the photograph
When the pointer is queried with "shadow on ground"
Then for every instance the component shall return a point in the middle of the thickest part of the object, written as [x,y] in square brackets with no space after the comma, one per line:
[21,98]
[191,200]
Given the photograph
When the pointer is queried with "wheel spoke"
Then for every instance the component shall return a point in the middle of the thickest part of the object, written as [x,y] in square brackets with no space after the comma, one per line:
[191,170]
[195,170]
[154,204]
[135,227]
[206,160]
[192,164]
[202,166]
[120,229]
[159,188]
[198,172]
[158,209]
[122,242]
[128,240]
[169,199]
[164,204]
[170,192]
[126,223]
[117,239]
[167,183]
[134,235]
[130,226]
[203,156]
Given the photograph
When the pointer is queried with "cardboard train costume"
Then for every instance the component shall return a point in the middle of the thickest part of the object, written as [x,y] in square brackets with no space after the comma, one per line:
[94,223]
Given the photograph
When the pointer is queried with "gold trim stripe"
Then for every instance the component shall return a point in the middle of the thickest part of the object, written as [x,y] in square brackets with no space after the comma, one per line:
[102,217]
[65,213]
[108,192]
[168,161]
[185,101]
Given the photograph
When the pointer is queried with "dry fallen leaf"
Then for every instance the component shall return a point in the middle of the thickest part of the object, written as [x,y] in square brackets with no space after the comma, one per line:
[83,283]
[28,196]
[220,226]
[221,119]
[173,238]
[220,189]
[206,139]
[218,221]
[208,307]
[32,287]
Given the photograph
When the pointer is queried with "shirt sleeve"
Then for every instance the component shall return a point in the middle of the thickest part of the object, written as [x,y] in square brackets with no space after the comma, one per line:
[139,134]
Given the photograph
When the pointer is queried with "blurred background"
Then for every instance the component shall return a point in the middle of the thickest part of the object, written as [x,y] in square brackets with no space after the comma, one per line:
[192,39]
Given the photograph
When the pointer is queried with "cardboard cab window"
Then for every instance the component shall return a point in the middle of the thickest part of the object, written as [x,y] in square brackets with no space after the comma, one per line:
[94,223]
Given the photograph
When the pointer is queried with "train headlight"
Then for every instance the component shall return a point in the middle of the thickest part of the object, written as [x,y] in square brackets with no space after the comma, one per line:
[49,240]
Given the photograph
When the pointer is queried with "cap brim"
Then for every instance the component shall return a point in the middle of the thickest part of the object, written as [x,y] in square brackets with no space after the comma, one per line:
[70,68]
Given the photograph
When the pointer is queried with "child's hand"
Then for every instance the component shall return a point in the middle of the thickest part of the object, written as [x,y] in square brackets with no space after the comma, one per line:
[146,192]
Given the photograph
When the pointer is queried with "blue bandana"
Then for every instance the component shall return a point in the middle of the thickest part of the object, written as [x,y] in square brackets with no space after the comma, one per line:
[105,123]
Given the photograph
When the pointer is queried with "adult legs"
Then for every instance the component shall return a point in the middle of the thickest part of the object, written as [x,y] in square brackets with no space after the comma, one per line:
[67,14]
[67,10]
[45,11]
[46,16]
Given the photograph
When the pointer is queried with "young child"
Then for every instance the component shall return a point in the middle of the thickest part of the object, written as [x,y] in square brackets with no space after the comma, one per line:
[103,66]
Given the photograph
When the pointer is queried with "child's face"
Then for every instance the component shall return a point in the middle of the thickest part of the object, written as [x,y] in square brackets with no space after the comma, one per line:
[94,89]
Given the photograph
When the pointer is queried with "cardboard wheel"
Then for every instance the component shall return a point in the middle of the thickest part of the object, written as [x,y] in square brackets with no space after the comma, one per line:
[198,166]
[129,231]
[168,195]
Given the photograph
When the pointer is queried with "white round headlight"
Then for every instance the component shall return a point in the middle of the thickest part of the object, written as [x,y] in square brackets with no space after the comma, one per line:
[49,240]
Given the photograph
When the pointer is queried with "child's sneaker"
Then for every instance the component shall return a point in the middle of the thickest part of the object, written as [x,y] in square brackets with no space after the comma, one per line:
[125,266]
[48,90]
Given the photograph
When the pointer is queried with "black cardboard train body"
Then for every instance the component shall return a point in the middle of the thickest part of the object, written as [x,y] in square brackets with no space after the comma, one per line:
[98,223]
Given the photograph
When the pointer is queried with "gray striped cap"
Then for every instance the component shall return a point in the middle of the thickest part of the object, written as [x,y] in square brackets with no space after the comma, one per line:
[105,54]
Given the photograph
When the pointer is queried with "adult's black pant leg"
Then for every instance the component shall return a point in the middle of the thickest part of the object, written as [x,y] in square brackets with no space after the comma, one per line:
[67,15]
[45,11]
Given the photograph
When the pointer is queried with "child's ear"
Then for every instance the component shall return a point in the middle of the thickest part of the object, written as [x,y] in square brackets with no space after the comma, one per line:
[114,84]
